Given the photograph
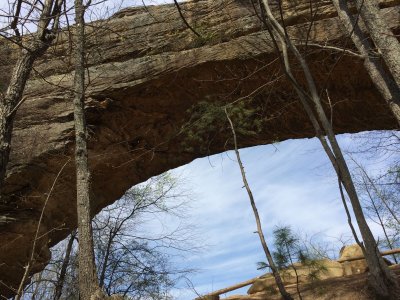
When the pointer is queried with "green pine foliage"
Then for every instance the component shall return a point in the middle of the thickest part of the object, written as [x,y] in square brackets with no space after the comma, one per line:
[289,250]
[208,120]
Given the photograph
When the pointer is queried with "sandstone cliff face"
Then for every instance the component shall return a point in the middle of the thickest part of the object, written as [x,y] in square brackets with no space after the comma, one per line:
[146,70]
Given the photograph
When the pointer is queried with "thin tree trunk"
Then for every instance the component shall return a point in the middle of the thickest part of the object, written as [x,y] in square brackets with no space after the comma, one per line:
[36,238]
[271,262]
[13,95]
[379,218]
[378,193]
[106,256]
[381,79]
[353,231]
[295,272]
[381,279]
[178,7]
[87,270]
[64,266]
[12,99]
[383,38]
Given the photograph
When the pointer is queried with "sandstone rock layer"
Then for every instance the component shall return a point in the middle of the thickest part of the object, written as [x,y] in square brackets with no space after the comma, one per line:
[146,70]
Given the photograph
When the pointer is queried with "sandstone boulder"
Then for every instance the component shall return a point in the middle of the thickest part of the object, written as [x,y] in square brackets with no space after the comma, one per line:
[354,266]
[326,269]
[256,296]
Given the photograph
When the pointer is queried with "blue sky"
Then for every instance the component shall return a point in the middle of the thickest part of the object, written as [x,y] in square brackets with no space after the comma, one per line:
[293,184]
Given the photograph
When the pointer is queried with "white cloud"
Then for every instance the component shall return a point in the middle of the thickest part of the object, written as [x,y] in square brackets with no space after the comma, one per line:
[293,183]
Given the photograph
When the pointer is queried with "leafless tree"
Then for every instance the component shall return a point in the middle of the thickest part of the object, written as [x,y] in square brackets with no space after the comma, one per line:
[381,279]
[88,282]
[383,80]
[30,48]
[64,265]
[380,202]
[271,263]
[383,38]
[27,267]
[131,262]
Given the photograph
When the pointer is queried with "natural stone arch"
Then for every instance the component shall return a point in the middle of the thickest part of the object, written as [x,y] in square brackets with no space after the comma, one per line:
[145,75]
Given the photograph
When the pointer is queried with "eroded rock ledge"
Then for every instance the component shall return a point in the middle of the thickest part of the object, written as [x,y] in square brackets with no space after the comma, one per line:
[146,71]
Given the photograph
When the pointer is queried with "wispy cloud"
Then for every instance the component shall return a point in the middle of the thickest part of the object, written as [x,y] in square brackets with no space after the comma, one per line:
[293,183]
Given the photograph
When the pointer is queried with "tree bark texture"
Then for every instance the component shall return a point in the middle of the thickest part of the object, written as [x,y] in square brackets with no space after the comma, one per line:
[106,256]
[10,102]
[271,262]
[381,223]
[87,270]
[64,266]
[383,38]
[382,280]
[383,81]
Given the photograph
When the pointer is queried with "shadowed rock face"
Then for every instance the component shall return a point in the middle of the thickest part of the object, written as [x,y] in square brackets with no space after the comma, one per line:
[146,70]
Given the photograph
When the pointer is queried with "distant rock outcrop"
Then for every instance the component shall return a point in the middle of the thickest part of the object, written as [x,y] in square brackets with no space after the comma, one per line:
[146,71]
[354,266]
[329,269]
[350,262]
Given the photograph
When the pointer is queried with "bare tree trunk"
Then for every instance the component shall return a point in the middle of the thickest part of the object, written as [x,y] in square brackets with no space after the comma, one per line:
[106,256]
[271,262]
[381,79]
[12,99]
[377,192]
[381,279]
[295,272]
[36,238]
[381,223]
[87,270]
[13,95]
[178,7]
[353,230]
[64,266]
[383,38]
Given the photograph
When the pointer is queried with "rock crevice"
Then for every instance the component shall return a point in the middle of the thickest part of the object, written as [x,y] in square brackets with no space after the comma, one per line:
[147,70]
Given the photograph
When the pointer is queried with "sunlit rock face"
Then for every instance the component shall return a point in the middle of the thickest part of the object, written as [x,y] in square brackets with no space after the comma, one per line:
[147,75]
[324,269]
[350,262]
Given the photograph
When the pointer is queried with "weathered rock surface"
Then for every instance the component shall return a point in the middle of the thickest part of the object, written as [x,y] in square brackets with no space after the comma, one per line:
[353,287]
[355,266]
[146,69]
[324,269]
